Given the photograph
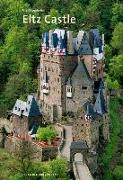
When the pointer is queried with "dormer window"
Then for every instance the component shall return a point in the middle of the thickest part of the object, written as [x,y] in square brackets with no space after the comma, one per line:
[69,91]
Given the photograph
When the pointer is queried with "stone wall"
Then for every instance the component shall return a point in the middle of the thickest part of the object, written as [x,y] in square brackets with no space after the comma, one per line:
[21,124]
[105,127]
[79,94]
[87,130]
[58,69]
[6,123]
[12,145]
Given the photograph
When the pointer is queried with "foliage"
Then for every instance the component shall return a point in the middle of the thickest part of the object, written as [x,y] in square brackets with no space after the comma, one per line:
[18,86]
[118,173]
[116,68]
[112,85]
[46,133]
[57,166]
[111,147]
[108,56]
[117,14]
[57,169]
[117,39]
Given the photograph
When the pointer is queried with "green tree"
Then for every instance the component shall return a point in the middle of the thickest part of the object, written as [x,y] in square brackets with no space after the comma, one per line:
[112,85]
[18,86]
[118,172]
[46,134]
[59,167]
[117,14]
[108,56]
[116,68]
[117,39]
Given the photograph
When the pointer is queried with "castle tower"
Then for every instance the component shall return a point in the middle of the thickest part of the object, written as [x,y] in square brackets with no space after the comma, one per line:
[64,62]
[55,69]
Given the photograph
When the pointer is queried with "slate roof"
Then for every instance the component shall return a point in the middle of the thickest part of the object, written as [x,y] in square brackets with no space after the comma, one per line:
[28,109]
[85,47]
[97,38]
[78,145]
[58,38]
[83,43]
[89,109]
[100,104]
[81,70]
[99,85]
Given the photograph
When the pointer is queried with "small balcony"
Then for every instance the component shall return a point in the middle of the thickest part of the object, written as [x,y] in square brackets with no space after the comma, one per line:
[45,88]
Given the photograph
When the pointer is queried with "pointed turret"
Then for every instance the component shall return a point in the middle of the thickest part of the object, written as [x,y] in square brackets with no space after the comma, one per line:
[100,105]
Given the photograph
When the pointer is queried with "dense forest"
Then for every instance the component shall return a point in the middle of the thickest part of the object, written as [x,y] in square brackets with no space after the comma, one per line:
[20,43]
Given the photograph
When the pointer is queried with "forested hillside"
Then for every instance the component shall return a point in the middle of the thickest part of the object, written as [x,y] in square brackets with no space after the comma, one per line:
[20,43]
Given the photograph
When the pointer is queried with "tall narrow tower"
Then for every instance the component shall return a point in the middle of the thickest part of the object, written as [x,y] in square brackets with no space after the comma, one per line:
[56,63]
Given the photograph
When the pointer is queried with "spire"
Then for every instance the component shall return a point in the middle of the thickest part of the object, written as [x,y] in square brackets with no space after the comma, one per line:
[100,105]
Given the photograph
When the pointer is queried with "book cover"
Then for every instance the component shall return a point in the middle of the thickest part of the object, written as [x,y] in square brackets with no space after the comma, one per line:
[61,97]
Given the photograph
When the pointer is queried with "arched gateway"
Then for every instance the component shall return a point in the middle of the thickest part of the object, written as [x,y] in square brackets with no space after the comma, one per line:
[78,152]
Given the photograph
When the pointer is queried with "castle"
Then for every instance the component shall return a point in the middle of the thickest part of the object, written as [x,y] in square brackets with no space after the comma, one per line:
[71,82]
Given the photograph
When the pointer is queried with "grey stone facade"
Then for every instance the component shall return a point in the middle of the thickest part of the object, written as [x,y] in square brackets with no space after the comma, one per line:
[71,74]
[58,69]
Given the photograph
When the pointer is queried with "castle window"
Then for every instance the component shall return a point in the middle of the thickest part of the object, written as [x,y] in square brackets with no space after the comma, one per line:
[58,79]
[18,109]
[84,87]
[45,68]
[15,108]
[69,91]
[28,102]
[48,68]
